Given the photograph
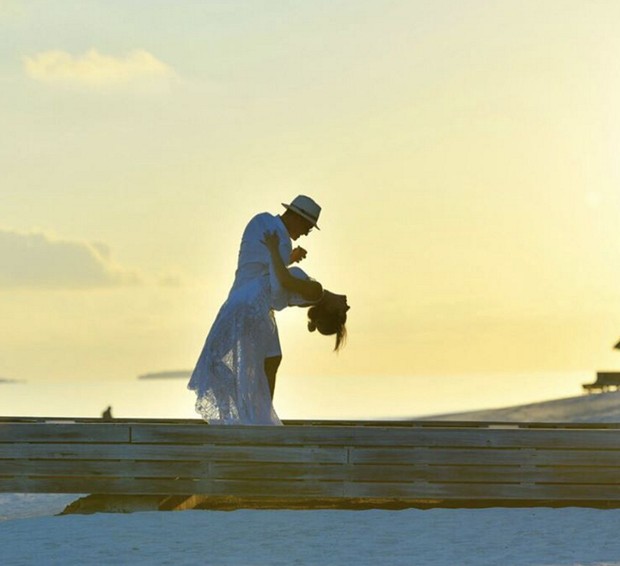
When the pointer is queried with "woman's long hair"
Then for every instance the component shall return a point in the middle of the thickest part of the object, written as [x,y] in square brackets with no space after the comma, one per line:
[328,323]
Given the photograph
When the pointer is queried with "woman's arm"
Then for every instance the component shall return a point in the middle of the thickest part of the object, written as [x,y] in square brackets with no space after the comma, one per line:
[308,289]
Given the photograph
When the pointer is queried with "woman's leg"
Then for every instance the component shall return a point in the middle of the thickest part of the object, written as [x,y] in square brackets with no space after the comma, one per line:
[271,368]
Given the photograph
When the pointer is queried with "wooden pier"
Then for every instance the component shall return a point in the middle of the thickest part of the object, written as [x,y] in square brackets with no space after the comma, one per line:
[605,381]
[315,464]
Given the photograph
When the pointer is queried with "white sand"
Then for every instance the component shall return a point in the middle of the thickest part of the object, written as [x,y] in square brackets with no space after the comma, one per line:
[448,537]
[599,408]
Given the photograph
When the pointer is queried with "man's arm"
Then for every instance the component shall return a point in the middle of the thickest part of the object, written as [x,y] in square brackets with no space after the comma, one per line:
[308,289]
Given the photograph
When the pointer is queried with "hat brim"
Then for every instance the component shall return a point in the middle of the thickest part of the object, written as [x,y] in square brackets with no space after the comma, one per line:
[301,213]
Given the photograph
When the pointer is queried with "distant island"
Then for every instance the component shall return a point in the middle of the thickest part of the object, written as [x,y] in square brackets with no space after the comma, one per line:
[7,380]
[177,374]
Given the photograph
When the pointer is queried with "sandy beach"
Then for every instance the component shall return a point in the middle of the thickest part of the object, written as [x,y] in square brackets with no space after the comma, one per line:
[442,537]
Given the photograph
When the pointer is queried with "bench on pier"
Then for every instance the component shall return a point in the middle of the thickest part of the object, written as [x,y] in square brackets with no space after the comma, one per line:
[316,464]
[605,381]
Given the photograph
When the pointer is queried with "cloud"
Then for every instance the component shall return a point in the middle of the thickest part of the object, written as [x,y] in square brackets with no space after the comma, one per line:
[35,260]
[92,69]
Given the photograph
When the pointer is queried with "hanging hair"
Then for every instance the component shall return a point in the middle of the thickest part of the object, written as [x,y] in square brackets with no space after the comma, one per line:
[328,323]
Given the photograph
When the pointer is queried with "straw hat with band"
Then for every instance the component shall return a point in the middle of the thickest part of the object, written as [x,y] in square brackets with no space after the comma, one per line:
[306,208]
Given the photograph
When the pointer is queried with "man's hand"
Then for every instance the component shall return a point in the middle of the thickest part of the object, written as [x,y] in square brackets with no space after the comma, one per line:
[298,254]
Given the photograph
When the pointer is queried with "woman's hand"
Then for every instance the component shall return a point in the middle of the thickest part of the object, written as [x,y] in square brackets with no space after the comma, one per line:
[271,240]
[298,254]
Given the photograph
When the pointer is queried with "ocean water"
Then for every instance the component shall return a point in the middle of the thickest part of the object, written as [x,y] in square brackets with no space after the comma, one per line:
[166,398]
[386,397]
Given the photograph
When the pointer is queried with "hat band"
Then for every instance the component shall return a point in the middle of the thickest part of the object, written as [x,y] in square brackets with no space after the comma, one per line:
[304,212]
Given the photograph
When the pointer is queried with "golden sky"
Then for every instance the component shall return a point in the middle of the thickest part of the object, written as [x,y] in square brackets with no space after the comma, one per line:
[465,155]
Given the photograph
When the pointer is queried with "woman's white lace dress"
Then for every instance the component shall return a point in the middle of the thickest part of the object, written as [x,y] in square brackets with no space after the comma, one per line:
[229,378]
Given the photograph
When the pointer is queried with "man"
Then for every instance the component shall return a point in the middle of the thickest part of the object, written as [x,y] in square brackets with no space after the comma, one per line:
[299,218]
[242,346]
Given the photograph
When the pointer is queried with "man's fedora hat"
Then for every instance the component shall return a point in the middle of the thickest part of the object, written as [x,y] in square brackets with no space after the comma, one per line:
[306,208]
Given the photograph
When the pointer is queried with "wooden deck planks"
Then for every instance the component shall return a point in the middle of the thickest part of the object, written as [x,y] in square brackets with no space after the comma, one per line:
[485,456]
[111,468]
[370,461]
[165,452]
[377,436]
[482,491]
[64,432]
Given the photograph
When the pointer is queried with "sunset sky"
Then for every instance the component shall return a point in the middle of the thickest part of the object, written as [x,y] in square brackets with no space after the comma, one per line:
[466,156]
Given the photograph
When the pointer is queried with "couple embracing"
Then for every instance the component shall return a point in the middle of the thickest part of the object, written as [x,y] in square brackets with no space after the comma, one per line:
[234,378]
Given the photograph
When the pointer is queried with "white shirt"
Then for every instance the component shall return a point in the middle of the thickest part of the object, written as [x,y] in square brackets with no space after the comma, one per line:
[254,259]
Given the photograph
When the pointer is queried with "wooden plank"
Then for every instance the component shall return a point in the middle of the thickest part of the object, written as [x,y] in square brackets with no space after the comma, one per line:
[422,423]
[398,492]
[327,455]
[485,474]
[274,435]
[406,474]
[312,454]
[147,486]
[110,468]
[398,463]
[483,456]
[376,436]
[97,420]
[45,432]
[101,485]
[481,492]
[278,471]
[283,489]
[603,476]
[319,472]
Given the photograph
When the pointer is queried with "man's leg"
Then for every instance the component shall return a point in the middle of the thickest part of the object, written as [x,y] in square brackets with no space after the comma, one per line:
[271,368]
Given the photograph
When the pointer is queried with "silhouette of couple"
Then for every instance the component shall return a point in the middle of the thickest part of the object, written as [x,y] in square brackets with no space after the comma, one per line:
[235,376]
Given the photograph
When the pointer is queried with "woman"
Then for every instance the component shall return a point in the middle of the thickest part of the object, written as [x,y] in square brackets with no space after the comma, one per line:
[329,313]
[230,378]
